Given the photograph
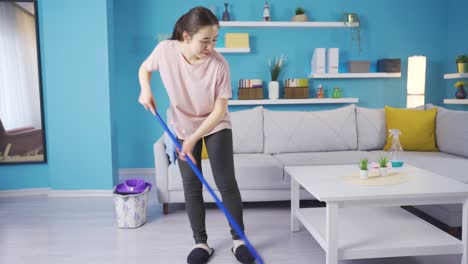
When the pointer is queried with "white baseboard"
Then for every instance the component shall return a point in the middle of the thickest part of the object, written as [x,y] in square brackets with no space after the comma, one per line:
[80,193]
[137,172]
[24,192]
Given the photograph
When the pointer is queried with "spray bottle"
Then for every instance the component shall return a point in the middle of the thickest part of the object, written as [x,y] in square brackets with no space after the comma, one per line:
[395,151]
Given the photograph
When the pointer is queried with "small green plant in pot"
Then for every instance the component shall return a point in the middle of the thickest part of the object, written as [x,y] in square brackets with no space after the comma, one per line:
[300,15]
[383,165]
[363,171]
[462,63]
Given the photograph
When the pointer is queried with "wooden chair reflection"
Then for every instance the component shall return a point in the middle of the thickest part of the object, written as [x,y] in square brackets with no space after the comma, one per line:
[20,141]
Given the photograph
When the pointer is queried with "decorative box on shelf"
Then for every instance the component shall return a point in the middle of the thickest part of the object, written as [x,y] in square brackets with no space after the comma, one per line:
[250,93]
[250,89]
[296,92]
[296,88]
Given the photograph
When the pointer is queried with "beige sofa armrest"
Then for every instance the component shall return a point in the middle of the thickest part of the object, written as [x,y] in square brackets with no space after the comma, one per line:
[161,161]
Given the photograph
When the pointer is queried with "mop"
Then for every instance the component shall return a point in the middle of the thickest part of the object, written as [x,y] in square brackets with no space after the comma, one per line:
[195,169]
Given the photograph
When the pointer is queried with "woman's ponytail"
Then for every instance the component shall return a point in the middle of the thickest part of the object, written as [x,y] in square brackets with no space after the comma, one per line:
[192,21]
[178,29]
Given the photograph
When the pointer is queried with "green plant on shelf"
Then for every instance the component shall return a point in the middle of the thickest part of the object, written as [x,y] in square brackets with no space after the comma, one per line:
[300,11]
[462,59]
[276,67]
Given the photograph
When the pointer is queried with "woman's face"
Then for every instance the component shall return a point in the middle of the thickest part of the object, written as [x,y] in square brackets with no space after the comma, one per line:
[202,43]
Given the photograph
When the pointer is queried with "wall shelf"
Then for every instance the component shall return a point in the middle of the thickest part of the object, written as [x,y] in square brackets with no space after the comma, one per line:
[233,50]
[456,75]
[294,101]
[286,24]
[354,75]
[456,101]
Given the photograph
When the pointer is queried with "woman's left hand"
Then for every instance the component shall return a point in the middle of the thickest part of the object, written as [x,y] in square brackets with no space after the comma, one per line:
[187,149]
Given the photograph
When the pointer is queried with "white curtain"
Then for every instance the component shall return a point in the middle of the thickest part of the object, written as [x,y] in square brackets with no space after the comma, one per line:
[19,78]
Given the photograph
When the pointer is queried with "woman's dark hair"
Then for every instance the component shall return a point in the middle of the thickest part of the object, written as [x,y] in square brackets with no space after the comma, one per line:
[192,21]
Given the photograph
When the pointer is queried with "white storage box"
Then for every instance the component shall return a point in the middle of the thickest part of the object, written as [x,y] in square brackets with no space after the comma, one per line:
[130,209]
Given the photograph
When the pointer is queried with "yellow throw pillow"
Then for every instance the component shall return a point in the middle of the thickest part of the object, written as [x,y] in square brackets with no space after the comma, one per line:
[417,128]
[204,152]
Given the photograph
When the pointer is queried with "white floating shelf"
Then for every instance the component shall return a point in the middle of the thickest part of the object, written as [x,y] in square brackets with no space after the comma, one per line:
[456,75]
[354,75]
[233,50]
[295,101]
[456,101]
[286,24]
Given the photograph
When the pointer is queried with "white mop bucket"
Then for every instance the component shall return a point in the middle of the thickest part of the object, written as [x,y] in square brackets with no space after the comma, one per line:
[130,209]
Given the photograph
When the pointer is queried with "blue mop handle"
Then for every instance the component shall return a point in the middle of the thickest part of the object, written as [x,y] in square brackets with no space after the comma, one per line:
[218,202]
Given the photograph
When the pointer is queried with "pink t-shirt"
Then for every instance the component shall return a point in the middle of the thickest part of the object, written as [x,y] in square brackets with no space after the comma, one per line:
[192,88]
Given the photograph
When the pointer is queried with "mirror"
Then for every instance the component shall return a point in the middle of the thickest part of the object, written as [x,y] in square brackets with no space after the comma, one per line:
[21,114]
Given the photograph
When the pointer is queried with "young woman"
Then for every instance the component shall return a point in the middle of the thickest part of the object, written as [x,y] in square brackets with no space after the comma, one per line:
[198,83]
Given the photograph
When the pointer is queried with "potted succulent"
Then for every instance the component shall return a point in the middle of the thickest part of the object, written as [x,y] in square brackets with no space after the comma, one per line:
[300,15]
[461,93]
[349,19]
[363,171]
[383,165]
[275,68]
[462,63]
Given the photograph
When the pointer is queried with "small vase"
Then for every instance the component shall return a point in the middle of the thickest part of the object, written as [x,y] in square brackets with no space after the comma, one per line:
[461,93]
[363,174]
[273,90]
[226,15]
[383,171]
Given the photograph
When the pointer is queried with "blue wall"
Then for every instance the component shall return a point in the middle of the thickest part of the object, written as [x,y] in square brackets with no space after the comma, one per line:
[91,51]
[390,29]
[75,63]
[457,39]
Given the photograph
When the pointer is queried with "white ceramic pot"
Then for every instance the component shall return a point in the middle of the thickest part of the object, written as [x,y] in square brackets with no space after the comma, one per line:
[383,171]
[273,90]
[363,174]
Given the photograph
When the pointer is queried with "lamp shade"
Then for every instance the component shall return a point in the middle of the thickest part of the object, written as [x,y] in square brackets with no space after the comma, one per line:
[416,84]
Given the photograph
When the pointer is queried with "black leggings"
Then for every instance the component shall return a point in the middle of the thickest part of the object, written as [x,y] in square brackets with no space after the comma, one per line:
[220,152]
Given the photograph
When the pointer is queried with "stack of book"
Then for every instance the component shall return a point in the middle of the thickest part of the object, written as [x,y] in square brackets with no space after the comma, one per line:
[296,88]
[250,89]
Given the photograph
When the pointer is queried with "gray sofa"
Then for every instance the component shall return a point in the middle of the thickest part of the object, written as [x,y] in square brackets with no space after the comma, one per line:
[266,141]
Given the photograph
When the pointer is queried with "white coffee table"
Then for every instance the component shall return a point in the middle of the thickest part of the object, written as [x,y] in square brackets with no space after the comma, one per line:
[367,221]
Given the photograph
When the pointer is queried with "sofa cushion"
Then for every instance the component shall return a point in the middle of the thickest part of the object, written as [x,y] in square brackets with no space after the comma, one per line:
[247,130]
[371,128]
[443,164]
[253,171]
[321,158]
[452,131]
[417,128]
[310,131]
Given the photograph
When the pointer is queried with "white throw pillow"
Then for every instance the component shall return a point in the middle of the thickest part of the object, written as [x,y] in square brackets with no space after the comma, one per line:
[305,131]
[371,128]
[247,130]
[451,131]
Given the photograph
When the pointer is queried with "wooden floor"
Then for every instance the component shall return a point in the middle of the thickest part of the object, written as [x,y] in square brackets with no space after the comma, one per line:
[41,230]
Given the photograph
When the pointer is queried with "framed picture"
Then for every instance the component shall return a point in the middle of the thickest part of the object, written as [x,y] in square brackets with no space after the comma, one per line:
[22,134]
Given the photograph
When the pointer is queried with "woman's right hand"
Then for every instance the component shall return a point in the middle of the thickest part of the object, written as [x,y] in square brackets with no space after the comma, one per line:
[147,100]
